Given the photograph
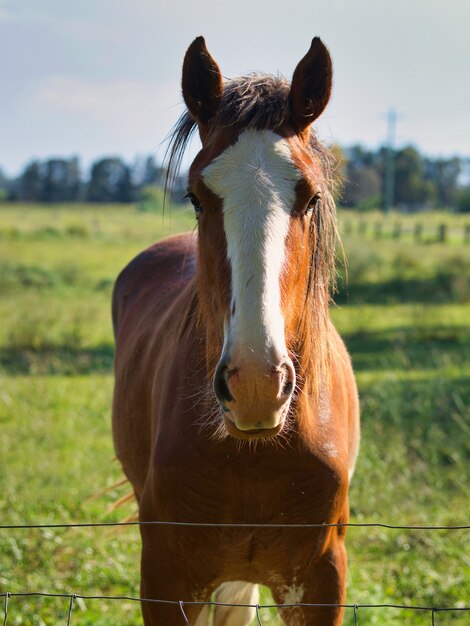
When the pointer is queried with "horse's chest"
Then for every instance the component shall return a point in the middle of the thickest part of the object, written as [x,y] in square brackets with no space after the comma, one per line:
[256,489]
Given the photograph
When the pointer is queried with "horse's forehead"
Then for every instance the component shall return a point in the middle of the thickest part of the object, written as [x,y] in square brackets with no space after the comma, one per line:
[256,158]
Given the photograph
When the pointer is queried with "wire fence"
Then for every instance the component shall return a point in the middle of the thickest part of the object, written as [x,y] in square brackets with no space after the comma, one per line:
[420,232]
[72,597]
[181,604]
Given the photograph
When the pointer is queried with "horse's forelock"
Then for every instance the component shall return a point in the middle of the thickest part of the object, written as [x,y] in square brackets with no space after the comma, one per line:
[257,101]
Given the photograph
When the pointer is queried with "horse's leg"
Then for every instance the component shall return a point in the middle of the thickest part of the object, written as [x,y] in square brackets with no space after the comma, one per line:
[204,616]
[324,584]
[232,593]
[167,576]
[236,593]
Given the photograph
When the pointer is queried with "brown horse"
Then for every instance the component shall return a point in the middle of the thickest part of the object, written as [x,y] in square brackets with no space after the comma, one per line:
[235,400]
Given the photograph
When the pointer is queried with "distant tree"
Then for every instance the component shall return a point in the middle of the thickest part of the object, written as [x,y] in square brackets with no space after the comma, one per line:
[61,180]
[154,174]
[54,180]
[445,175]
[411,187]
[3,186]
[359,156]
[362,184]
[362,177]
[110,181]
[30,183]
[147,172]
[125,187]
[463,200]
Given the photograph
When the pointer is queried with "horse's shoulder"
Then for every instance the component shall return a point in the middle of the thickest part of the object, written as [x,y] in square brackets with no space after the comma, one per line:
[160,262]
[163,267]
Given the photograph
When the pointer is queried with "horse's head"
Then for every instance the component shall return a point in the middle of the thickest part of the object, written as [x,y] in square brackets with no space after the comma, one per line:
[260,194]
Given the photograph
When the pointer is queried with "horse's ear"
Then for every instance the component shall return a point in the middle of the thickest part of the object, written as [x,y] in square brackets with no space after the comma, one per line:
[311,86]
[202,82]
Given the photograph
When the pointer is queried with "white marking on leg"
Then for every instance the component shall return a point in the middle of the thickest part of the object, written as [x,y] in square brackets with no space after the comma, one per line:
[256,179]
[203,617]
[293,594]
[236,592]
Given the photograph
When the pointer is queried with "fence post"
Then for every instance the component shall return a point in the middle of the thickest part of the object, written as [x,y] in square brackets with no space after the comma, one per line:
[97,226]
[397,230]
[466,236]
[258,616]
[418,231]
[378,229]
[442,233]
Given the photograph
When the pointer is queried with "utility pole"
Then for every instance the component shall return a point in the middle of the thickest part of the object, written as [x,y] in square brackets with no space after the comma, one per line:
[389,186]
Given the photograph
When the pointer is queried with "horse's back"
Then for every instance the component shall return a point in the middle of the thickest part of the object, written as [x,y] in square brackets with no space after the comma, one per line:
[147,300]
[162,269]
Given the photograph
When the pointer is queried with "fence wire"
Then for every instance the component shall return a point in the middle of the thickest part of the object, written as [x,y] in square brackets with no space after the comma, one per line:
[234,525]
[258,607]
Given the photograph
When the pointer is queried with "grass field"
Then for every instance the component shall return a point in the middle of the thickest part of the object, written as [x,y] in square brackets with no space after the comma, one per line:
[405,315]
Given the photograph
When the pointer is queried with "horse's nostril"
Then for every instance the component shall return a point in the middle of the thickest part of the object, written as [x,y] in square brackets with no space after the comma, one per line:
[288,388]
[221,388]
[288,381]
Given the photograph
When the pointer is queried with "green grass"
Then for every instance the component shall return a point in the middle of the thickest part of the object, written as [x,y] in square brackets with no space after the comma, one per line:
[405,315]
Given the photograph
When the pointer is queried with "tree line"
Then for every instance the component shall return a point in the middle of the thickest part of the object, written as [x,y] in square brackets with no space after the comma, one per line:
[62,180]
[420,182]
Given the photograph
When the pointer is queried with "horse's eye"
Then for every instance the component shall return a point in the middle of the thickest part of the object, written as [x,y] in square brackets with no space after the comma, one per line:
[195,202]
[313,203]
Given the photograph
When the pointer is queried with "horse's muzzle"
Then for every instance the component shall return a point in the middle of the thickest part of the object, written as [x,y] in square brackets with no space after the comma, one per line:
[255,395]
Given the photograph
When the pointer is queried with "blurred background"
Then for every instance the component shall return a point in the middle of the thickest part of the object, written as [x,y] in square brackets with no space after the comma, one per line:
[90,90]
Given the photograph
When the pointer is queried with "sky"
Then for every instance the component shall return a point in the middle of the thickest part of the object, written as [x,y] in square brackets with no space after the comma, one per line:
[102,77]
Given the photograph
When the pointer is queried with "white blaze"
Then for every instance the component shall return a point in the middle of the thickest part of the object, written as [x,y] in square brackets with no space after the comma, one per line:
[256,179]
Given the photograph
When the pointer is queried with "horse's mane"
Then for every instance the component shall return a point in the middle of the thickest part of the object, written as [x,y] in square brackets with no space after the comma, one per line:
[260,101]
